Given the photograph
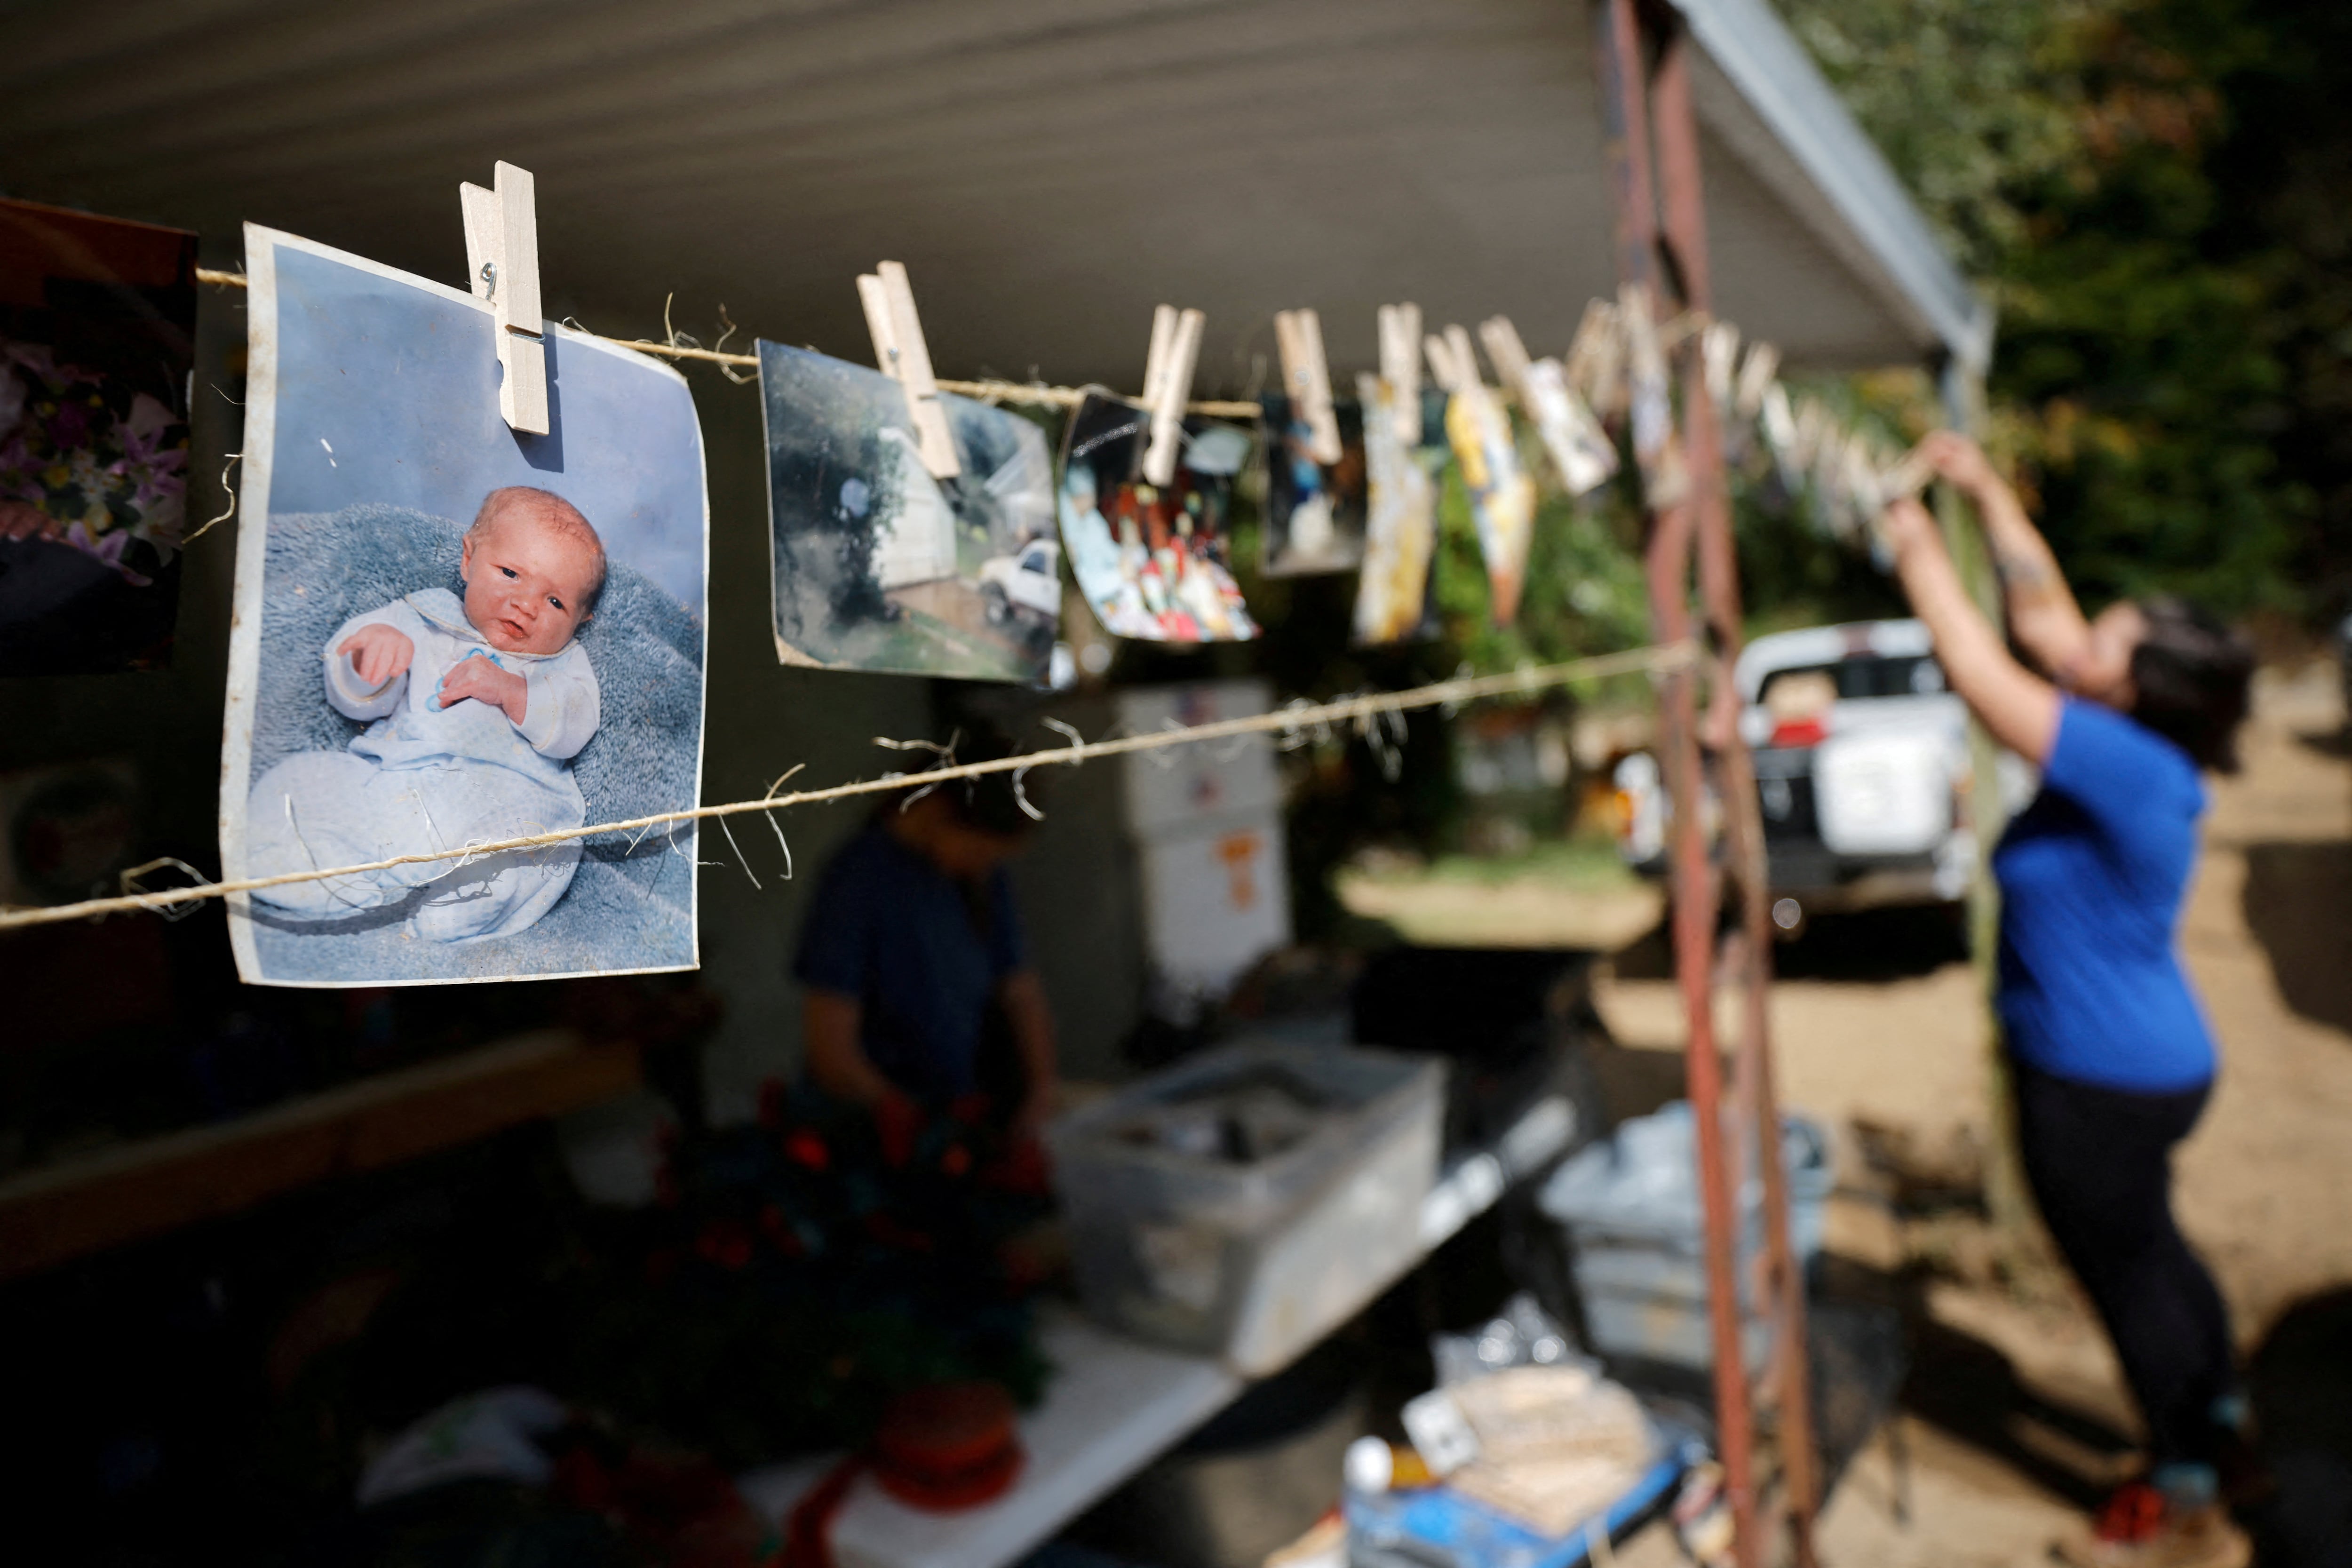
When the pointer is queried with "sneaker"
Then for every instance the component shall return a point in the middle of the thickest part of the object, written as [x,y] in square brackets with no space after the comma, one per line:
[2141,1527]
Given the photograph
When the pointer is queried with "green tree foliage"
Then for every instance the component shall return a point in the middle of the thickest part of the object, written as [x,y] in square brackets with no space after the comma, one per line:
[2113,171]
[1584,592]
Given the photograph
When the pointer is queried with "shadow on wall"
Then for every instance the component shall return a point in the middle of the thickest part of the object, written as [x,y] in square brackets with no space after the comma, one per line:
[2298,904]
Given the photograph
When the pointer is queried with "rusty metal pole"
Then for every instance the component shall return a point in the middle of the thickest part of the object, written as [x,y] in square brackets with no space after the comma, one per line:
[1783,1285]
[1621,61]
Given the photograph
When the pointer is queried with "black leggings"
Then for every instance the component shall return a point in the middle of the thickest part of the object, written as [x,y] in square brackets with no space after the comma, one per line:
[2100,1161]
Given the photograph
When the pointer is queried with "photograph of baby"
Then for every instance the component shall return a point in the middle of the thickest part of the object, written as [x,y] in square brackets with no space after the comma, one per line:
[1396,594]
[1152,561]
[1314,515]
[450,633]
[880,566]
[96,336]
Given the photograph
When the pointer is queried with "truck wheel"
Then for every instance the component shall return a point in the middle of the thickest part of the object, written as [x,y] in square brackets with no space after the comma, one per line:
[995,603]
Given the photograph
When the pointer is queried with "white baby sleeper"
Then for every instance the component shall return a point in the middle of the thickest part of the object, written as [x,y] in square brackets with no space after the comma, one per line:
[426,777]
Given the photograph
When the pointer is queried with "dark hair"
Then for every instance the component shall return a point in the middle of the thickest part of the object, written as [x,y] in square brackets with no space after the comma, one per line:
[2189,680]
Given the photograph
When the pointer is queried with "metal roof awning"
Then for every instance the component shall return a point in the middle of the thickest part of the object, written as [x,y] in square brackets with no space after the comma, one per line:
[1048,169]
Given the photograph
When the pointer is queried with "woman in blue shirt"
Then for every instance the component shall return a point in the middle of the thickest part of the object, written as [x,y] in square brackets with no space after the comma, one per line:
[2110,1053]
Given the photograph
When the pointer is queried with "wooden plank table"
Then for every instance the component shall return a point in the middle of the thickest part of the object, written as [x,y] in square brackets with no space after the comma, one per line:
[79,1207]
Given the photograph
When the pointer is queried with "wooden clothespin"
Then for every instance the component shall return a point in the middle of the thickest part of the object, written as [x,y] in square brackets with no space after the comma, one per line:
[1454,366]
[1718,350]
[1401,367]
[1578,448]
[1465,359]
[1646,352]
[1778,423]
[905,358]
[1155,359]
[1167,385]
[1596,358]
[1650,405]
[1808,433]
[1757,373]
[1509,354]
[1307,375]
[503,252]
[1441,368]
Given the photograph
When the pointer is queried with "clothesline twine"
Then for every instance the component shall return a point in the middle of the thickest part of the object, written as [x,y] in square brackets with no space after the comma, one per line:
[1299,719]
[1035,393]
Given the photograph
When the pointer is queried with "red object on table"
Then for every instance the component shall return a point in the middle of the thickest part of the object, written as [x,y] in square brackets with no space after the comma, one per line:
[944,1449]
[949,1447]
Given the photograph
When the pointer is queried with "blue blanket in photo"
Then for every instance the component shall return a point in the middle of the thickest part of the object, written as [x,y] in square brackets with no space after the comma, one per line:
[625,909]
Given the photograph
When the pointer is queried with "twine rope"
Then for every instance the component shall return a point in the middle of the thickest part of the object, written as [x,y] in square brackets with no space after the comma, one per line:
[1034,394]
[1300,721]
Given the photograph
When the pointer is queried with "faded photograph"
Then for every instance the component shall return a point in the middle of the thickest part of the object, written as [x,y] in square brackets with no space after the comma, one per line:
[880,566]
[96,336]
[1502,494]
[451,634]
[1152,561]
[1396,593]
[1314,512]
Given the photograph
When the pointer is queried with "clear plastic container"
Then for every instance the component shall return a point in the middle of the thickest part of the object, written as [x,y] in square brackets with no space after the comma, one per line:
[1631,1206]
[1247,1201]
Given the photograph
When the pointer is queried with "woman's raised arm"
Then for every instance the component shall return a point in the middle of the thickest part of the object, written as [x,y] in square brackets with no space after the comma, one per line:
[2019,707]
[2043,615]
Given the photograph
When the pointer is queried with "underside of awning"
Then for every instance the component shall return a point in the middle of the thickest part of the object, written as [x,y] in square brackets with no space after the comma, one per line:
[1048,169]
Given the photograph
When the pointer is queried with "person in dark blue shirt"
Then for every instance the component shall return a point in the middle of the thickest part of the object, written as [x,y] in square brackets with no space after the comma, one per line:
[918,998]
[2110,1053]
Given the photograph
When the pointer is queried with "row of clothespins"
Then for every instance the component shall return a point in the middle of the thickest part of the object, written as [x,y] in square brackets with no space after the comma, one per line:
[1616,368]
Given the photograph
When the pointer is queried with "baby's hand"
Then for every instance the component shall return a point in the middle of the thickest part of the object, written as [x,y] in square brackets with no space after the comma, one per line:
[379,654]
[478,678]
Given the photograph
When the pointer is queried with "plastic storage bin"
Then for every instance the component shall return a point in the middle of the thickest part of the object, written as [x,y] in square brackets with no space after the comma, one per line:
[1249,1200]
[1631,1207]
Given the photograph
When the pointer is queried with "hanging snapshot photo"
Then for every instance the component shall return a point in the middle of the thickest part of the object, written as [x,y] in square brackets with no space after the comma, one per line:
[450,633]
[880,566]
[1405,459]
[1154,561]
[1502,492]
[1314,511]
[1581,454]
[97,340]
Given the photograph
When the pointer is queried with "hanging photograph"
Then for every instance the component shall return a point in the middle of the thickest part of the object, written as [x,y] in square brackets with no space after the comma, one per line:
[1581,451]
[97,338]
[450,633]
[1502,492]
[1405,459]
[880,566]
[1314,512]
[1154,561]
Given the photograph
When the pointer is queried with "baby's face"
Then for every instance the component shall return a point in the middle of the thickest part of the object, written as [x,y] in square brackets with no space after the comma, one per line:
[527,583]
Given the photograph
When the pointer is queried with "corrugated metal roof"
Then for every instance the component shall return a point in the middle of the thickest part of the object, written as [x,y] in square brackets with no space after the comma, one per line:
[1048,169]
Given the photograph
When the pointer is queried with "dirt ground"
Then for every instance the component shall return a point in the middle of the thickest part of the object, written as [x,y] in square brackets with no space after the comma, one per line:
[2013,1417]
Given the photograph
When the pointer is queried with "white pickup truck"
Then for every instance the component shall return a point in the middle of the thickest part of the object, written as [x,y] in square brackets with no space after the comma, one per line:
[1861,771]
[1024,586]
